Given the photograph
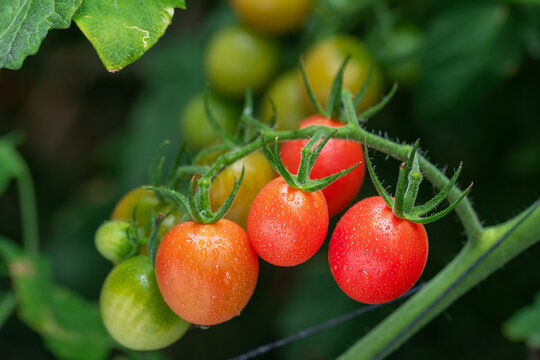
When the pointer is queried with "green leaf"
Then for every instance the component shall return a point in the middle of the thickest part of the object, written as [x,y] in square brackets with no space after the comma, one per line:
[70,326]
[121,31]
[524,325]
[7,305]
[25,23]
[11,163]
[470,47]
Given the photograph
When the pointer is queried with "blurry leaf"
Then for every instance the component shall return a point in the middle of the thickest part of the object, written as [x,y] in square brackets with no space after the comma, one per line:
[24,24]
[122,31]
[469,48]
[11,163]
[7,305]
[71,326]
[524,325]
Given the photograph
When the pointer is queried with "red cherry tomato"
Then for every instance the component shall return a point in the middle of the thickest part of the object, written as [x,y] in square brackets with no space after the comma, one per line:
[206,272]
[375,256]
[287,226]
[336,155]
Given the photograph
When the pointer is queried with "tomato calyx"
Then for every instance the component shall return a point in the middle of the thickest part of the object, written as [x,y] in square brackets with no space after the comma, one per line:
[310,152]
[409,179]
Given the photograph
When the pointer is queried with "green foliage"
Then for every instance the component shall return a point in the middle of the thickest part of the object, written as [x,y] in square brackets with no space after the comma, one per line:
[470,47]
[524,325]
[24,24]
[71,327]
[122,31]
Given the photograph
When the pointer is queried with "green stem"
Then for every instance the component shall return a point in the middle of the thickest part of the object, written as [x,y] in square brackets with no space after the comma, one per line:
[464,209]
[496,246]
[28,211]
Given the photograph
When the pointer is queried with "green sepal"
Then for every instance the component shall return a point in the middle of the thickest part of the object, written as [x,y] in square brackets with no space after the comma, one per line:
[335,92]
[309,156]
[360,95]
[371,111]
[218,129]
[316,104]
[376,182]
[154,240]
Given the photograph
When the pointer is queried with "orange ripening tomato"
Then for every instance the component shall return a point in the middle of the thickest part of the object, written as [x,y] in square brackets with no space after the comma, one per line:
[206,272]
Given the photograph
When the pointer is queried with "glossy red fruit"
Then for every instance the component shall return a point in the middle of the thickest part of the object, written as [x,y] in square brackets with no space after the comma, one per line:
[287,226]
[337,155]
[206,272]
[375,256]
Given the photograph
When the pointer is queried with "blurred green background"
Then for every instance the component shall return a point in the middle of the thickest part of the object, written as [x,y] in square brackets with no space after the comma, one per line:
[90,136]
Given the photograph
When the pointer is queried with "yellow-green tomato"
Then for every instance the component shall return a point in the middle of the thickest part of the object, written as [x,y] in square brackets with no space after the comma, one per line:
[143,203]
[112,240]
[322,63]
[274,17]
[133,309]
[286,93]
[257,173]
[195,127]
[237,57]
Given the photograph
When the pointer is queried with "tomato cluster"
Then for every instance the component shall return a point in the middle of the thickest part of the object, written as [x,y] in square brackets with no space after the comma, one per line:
[205,272]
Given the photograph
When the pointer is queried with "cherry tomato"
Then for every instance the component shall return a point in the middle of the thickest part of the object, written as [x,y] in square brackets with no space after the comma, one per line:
[145,202]
[194,125]
[257,173]
[324,59]
[133,309]
[112,240]
[286,93]
[287,226]
[275,17]
[336,155]
[237,57]
[206,272]
[375,256]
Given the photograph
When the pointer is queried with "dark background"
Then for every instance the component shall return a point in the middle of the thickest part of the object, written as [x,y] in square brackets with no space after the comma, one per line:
[90,137]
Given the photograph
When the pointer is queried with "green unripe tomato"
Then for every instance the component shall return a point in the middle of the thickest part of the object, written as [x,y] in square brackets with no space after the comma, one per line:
[112,240]
[237,58]
[401,54]
[133,309]
[194,125]
[324,59]
[286,93]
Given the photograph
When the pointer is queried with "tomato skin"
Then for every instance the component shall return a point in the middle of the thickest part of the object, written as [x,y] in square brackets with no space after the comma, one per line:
[274,17]
[257,173]
[194,125]
[111,240]
[286,93]
[287,226]
[146,202]
[237,57]
[133,309]
[206,272]
[375,256]
[337,155]
[322,62]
